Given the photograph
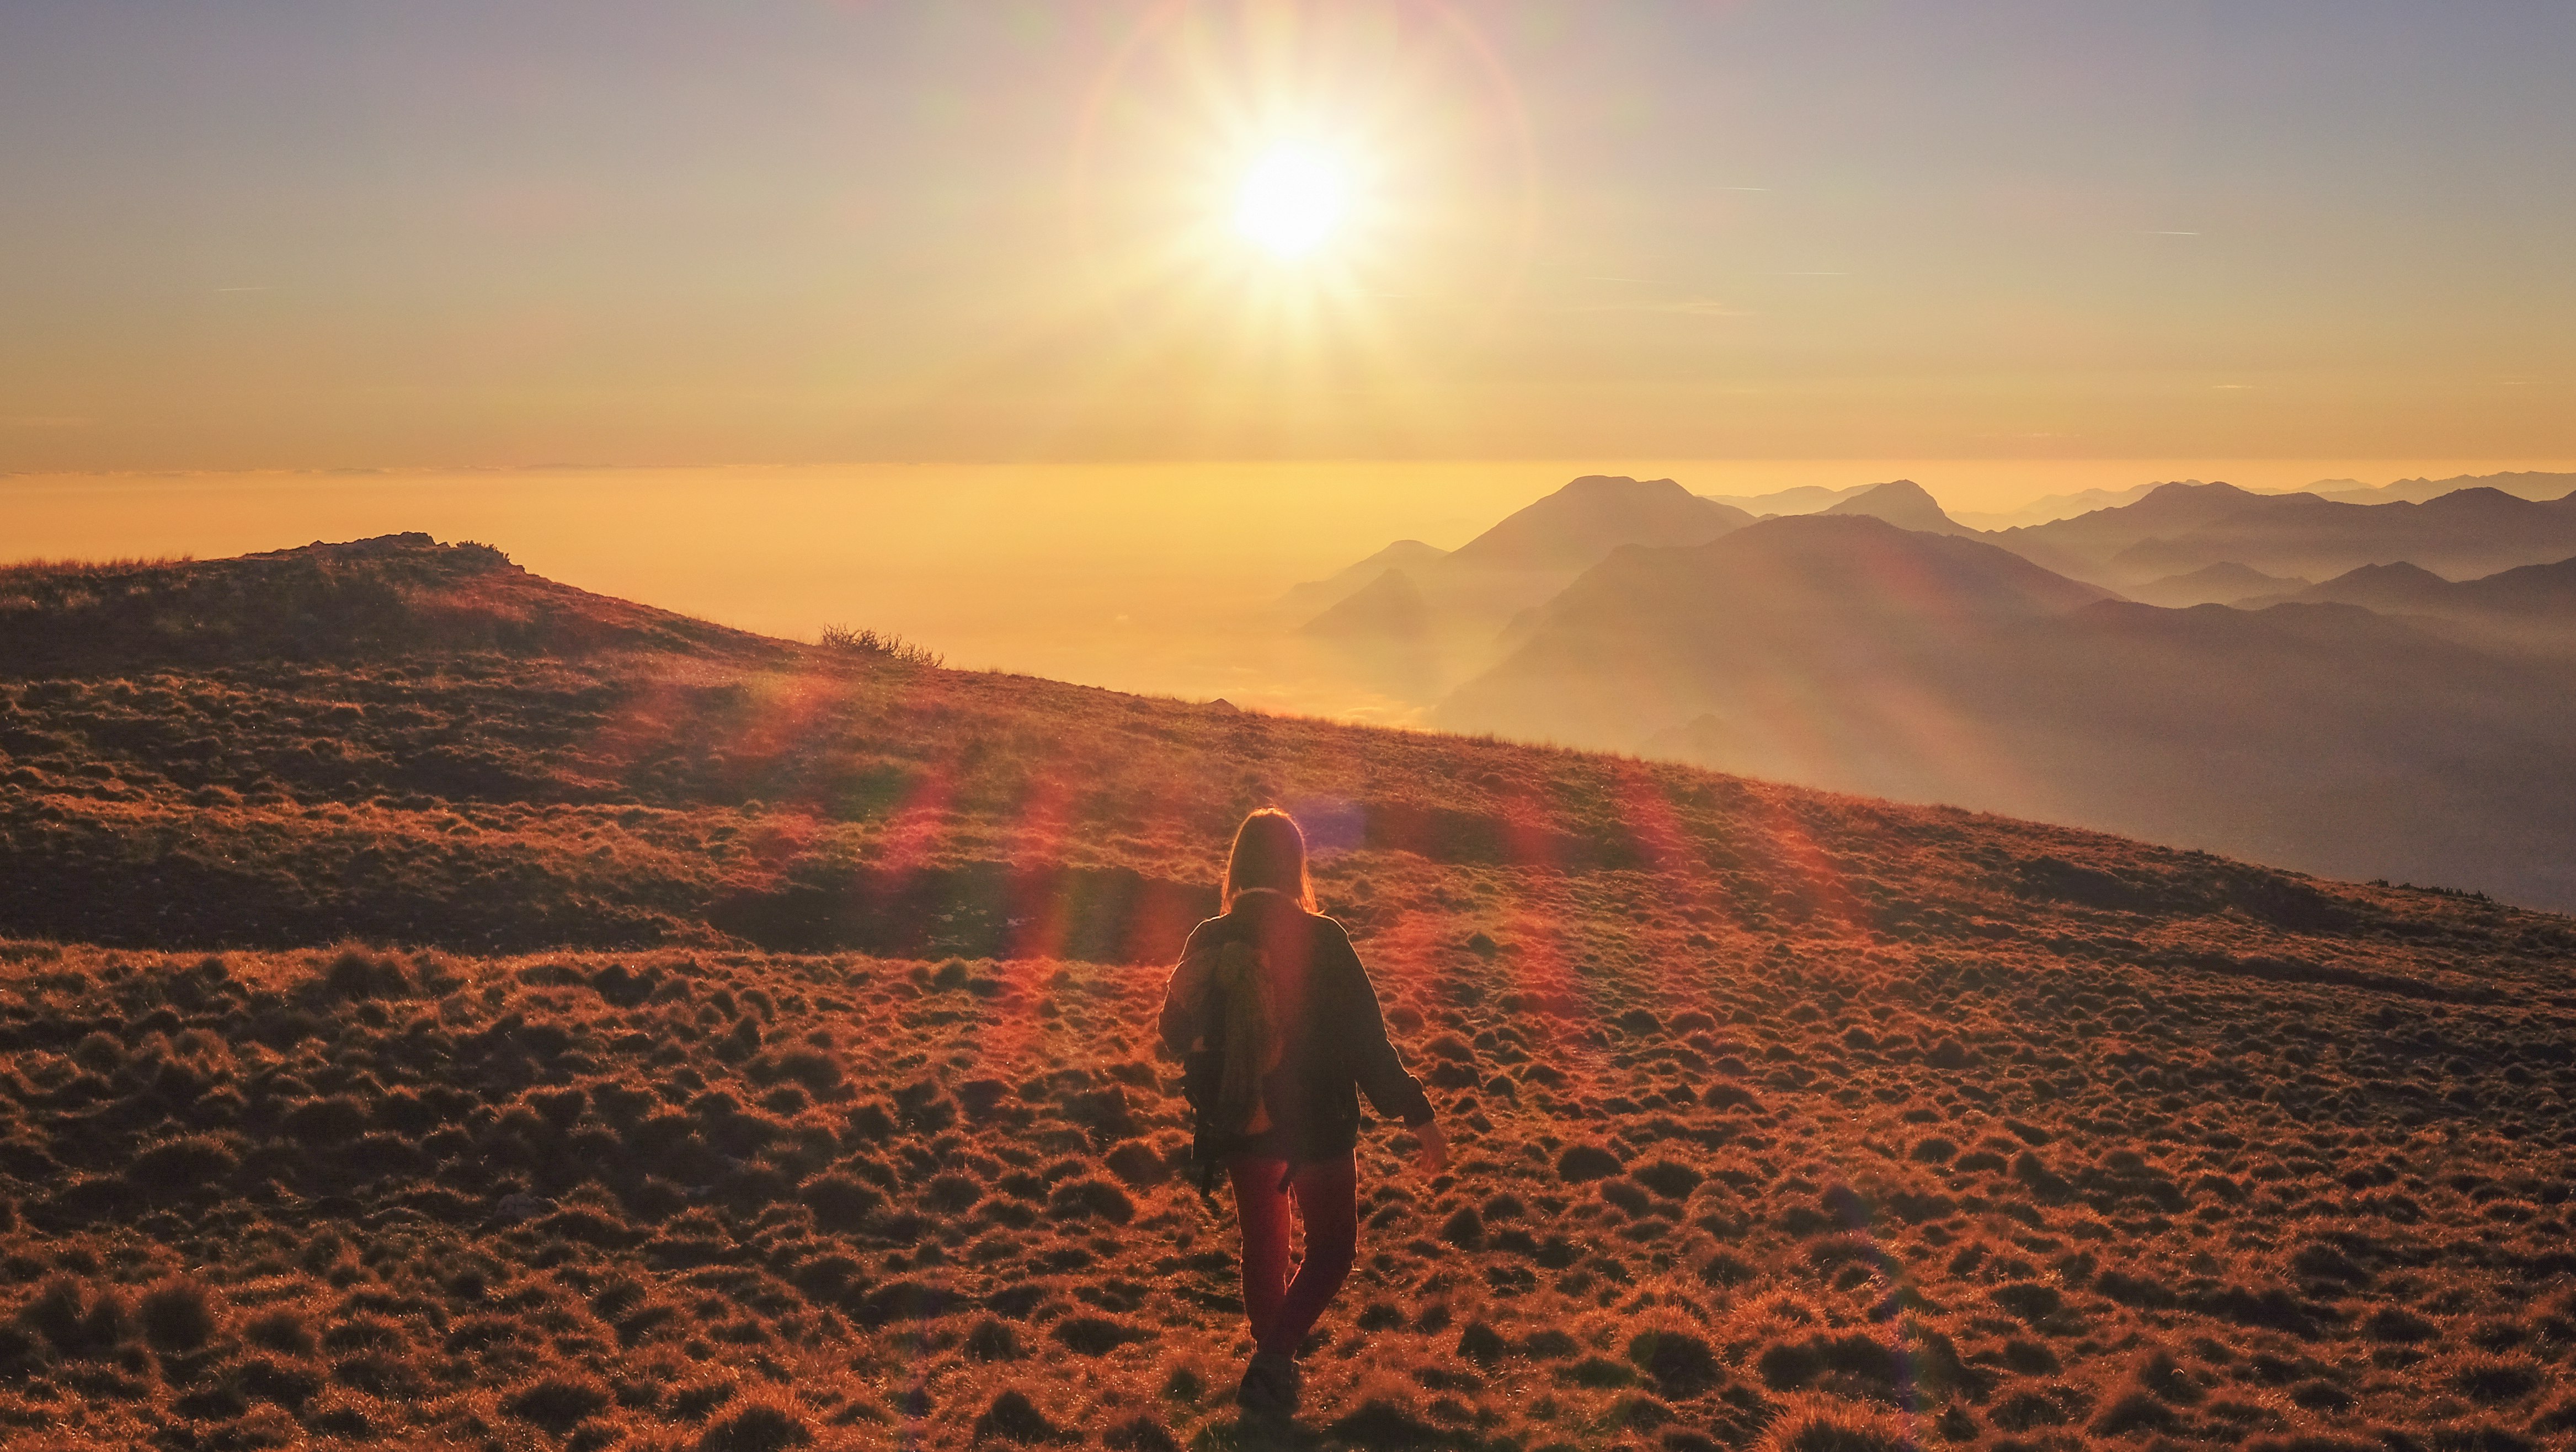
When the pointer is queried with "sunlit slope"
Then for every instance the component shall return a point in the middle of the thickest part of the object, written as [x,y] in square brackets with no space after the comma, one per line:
[1782,1119]
[397,595]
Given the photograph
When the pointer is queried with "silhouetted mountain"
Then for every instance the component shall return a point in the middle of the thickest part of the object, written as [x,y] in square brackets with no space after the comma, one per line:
[1801,499]
[1306,600]
[2085,545]
[1623,651]
[2416,491]
[2538,592]
[1905,504]
[1388,608]
[2466,533]
[2226,583]
[2054,507]
[2533,605]
[1844,653]
[1463,600]
[2182,528]
[2398,589]
[1574,527]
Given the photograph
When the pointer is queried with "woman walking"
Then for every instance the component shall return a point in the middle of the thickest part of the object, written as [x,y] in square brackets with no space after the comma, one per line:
[1276,1023]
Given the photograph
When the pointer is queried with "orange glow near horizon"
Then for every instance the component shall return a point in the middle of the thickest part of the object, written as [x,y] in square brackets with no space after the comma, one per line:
[1266,229]
[1145,577]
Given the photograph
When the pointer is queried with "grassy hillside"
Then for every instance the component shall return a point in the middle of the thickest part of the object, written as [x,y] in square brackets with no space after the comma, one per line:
[631,1034]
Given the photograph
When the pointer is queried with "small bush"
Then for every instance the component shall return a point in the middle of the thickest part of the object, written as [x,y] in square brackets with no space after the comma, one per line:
[1726,1269]
[1088,1197]
[177,1315]
[1140,1434]
[1378,1423]
[2397,1324]
[1585,1162]
[865,640]
[1135,1162]
[78,1325]
[176,1166]
[1854,1359]
[2494,1380]
[281,1329]
[1550,1344]
[558,1402]
[2029,1300]
[1012,1417]
[763,1426]
[1097,1335]
[1825,1428]
[992,1340]
[1671,1180]
[356,972]
[840,1202]
[1677,1362]
[1599,1372]
[2139,1411]
[2023,1410]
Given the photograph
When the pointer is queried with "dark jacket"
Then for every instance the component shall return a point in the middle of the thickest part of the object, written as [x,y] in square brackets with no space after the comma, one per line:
[1332,1037]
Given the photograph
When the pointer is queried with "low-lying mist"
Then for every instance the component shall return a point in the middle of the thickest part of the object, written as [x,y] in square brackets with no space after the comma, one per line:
[1162,578]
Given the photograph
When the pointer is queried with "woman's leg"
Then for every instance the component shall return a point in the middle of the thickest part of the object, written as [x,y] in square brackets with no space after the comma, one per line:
[1262,1211]
[1328,1202]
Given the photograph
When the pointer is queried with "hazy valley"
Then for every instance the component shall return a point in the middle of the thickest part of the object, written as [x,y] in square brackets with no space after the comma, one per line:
[2335,703]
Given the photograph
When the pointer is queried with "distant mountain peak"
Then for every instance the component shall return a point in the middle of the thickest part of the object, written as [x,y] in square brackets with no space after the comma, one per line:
[1314,596]
[2392,571]
[2224,583]
[1797,499]
[1830,563]
[2181,489]
[1569,530]
[1388,607]
[1620,484]
[1903,503]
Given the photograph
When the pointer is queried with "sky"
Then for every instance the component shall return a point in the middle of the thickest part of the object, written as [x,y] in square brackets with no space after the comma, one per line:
[363,234]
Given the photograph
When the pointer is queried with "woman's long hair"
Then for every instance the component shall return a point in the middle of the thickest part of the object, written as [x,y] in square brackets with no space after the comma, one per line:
[1269,852]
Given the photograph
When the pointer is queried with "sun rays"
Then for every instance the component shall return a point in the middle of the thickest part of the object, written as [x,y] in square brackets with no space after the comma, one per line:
[1285,215]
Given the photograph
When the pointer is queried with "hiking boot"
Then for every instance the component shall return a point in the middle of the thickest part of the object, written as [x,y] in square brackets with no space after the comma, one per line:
[1270,1386]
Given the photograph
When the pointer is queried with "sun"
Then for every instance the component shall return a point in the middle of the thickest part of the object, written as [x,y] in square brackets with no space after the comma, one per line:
[1292,200]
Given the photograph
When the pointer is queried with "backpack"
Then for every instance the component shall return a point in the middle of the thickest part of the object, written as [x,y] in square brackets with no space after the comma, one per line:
[1240,1034]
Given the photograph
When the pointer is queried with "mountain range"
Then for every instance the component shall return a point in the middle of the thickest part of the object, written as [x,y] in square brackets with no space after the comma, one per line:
[2225,583]
[2467,532]
[1408,617]
[1800,499]
[2157,544]
[2388,722]
[2526,485]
